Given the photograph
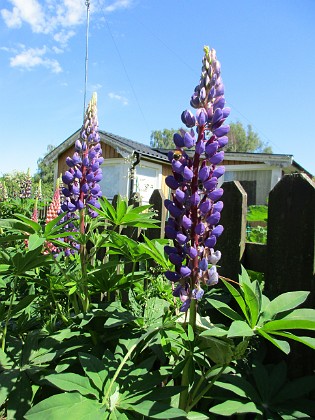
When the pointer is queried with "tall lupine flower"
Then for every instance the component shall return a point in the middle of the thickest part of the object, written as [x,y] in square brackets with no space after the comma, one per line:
[54,207]
[26,186]
[3,191]
[195,208]
[82,178]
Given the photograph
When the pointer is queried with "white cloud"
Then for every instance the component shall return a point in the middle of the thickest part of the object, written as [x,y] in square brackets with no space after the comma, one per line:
[118,4]
[63,36]
[34,57]
[119,98]
[29,11]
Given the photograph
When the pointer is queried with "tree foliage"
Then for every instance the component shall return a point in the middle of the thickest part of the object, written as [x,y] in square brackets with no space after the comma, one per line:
[242,140]
[45,172]
[163,139]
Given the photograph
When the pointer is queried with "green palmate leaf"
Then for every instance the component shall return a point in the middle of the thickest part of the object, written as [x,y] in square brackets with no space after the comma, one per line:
[281,344]
[16,225]
[239,299]
[34,225]
[225,309]
[252,297]
[71,406]
[228,408]
[94,369]
[297,319]
[220,351]
[238,386]
[35,241]
[9,238]
[284,302]
[72,382]
[8,379]
[307,341]
[240,329]
[157,410]
[193,415]
[23,304]
[53,225]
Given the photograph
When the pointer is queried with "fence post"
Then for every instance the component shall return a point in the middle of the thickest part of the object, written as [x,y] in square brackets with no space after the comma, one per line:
[157,202]
[232,241]
[291,236]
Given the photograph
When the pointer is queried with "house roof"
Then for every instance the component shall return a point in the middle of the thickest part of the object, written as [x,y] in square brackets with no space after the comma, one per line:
[122,145]
[127,147]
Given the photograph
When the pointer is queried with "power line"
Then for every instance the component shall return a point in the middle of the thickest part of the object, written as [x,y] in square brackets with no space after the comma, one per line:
[124,67]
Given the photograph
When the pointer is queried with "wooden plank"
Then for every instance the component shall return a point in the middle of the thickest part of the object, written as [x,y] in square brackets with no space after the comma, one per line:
[157,202]
[255,257]
[232,242]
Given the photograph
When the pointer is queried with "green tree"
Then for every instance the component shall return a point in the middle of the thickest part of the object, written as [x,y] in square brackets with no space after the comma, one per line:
[163,139]
[45,172]
[241,140]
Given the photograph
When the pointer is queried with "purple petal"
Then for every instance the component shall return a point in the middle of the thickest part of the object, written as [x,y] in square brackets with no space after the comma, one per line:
[200,229]
[217,231]
[223,141]
[201,116]
[215,194]
[210,184]
[214,218]
[178,140]
[189,141]
[204,173]
[175,259]
[171,182]
[181,238]
[195,199]
[211,241]
[200,147]
[211,148]
[203,264]
[170,232]
[187,174]
[185,306]
[219,171]
[218,115]
[185,271]
[172,276]
[218,206]
[177,166]
[217,158]
[186,222]
[192,252]
[188,118]
[222,131]
[205,207]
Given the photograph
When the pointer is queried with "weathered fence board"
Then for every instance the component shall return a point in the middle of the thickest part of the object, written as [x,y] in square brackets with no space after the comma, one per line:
[233,218]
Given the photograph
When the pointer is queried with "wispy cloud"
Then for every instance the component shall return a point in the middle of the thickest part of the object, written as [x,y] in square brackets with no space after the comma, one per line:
[118,98]
[34,57]
[57,19]
[118,4]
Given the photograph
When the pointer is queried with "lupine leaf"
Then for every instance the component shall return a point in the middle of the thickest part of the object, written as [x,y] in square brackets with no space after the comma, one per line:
[230,407]
[307,341]
[281,344]
[240,329]
[157,410]
[297,319]
[284,302]
[72,382]
[238,297]
[225,309]
[94,369]
[71,406]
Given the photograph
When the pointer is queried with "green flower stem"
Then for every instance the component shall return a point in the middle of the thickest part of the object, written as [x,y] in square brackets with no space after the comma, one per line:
[184,395]
[83,260]
[205,390]
[5,329]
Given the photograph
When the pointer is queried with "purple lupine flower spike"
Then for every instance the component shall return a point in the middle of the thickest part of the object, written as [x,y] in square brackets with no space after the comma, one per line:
[195,209]
[81,179]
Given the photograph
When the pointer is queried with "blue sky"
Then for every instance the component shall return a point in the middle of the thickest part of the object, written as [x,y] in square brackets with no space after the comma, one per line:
[144,62]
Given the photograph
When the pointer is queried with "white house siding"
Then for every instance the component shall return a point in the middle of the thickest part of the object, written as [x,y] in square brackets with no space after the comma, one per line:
[262,178]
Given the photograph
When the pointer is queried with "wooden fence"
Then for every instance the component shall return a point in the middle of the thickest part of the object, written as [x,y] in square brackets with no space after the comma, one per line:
[288,258]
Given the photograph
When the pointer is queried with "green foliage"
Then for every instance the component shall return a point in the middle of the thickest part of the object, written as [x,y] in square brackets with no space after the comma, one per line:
[257,234]
[104,339]
[242,140]
[265,391]
[163,139]
[257,213]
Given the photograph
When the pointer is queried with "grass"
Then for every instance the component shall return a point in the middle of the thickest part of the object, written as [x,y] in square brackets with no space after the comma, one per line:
[257,213]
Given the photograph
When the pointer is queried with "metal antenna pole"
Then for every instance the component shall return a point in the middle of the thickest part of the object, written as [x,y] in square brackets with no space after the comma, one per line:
[87,3]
